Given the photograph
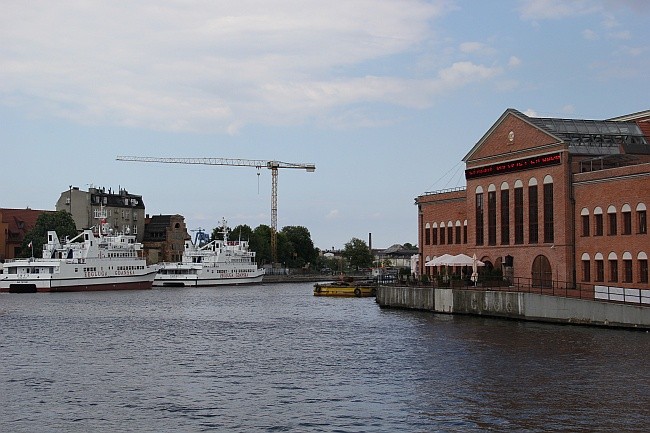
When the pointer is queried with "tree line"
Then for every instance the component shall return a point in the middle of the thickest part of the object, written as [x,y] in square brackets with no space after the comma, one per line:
[295,248]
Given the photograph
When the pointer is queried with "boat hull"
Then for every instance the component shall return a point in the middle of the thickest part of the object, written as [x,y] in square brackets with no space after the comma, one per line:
[343,290]
[34,285]
[193,281]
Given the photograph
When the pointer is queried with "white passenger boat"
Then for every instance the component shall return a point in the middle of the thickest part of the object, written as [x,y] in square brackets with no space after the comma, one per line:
[86,262]
[218,262]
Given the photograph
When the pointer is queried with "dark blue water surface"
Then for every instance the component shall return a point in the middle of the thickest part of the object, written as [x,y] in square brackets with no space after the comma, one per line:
[274,358]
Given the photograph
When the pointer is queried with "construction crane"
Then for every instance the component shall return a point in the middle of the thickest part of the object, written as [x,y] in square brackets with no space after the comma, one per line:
[256,163]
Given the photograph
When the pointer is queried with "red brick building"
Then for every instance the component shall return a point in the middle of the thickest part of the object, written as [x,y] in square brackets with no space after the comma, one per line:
[14,225]
[549,200]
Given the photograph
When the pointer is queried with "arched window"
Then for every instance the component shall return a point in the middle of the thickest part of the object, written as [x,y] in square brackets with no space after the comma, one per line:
[479,215]
[458,226]
[465,232]
[613,267]
[584,216]
[442,233]
[626,212]
[427,234]
[549,232]
[533,217]
[434,234]
[600,267]
[542,275]
[642,259]
[519,212]
[598,221]
[627,267]
[492,215]
[505,213]
[586,267]
[611,219]
[450,232]
[642,222]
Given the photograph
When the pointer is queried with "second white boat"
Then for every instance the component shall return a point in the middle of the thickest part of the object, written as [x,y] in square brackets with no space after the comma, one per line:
[215,263]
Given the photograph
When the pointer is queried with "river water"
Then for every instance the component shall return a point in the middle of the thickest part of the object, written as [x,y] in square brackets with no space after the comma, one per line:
[274,358]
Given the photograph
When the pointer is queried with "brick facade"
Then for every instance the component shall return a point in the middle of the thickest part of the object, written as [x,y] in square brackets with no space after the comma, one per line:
[518,159]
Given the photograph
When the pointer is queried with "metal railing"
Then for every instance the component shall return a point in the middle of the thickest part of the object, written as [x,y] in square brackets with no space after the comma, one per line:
[564,289]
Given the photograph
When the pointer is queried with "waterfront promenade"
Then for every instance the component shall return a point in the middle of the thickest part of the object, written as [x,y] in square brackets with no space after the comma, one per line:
[509,303]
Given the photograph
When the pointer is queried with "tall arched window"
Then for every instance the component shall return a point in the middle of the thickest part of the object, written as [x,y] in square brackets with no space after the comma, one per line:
[611,219]
[519,212]
[613,267]
[642,222]
[584,216]
[450,232]
[600,267]
[505,213]
[492,215]
[479,215]
[442,233]
[642,259]
[434,234]
[598,221]
[586,267]
[458,238]
[533,217]
[626,212]
[549,232]
[627,267]
[427,234]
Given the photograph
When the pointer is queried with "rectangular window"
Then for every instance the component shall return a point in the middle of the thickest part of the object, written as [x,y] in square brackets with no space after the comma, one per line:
[505,217]
[479,219]
[519,215]
[627,223]
[427,236]
[612,223]
[643,271]
[585,225]
[435,236]
[532,215]
[450,235]
[641,220]
[586,270]
[613,271]
[457,234]
[600,270]
[549,234]
[492,218]
[598,219]
[627,269]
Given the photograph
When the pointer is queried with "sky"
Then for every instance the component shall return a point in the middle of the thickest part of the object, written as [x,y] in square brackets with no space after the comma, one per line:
[385,97]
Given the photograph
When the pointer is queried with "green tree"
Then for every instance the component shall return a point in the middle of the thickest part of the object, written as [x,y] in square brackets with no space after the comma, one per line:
[60,221]
[358,254]
[261,244]
[302,249]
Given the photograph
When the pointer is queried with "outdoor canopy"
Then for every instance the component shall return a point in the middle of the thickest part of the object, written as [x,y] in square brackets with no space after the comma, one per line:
[457,260]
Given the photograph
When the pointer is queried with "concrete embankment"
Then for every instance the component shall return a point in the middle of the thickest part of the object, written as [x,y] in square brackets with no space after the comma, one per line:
[516,305]
[297,278]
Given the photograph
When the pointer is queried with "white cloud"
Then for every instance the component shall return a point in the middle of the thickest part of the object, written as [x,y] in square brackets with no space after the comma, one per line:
[531,113]
[590,35]
[514,61]
[333,214]
[557,9]
[203,65]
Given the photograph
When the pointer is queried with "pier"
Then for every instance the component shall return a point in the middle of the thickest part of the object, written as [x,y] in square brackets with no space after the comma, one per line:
[518,305]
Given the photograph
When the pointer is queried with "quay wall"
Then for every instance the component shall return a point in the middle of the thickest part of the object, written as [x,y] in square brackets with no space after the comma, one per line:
[516,305]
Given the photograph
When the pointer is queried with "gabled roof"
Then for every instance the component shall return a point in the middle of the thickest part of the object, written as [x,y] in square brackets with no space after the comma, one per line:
[509,112]
[585,137]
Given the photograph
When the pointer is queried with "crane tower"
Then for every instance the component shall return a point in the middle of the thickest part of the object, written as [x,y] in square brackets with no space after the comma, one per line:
[256,163]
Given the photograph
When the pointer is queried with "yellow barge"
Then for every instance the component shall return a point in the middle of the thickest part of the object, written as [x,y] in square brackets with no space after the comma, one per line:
[359,289]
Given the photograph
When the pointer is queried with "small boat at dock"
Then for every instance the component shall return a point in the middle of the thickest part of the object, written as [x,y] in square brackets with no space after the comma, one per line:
[347,287]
